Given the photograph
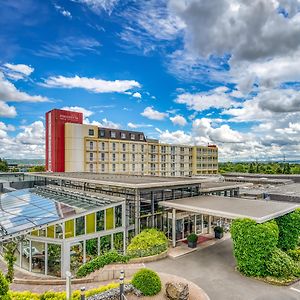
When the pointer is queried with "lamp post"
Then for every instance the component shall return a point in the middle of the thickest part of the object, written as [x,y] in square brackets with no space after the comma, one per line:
[82,293]
[68,285]
[122,275]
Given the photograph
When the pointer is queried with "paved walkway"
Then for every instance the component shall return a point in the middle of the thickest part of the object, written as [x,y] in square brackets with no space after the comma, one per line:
[213,269]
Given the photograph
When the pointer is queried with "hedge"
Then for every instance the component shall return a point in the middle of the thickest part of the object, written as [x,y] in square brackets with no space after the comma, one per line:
[253,244]
[148,242]
[289,230]
[294,254]
[59,295]
[281,265]
[147,281]
[101,261]
[4,286]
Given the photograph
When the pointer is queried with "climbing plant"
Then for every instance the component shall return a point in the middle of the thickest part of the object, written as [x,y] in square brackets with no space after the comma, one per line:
[9,257]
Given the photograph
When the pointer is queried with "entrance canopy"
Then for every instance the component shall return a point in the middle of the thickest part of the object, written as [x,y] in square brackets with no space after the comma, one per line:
[232,208]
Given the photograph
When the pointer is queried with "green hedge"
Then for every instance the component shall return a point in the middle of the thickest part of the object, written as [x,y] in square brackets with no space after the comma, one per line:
[147,281]
[294,254]
[59,295]
[281,265]
[148,242]
[4,287]
[289,230]
[100,261]
[253,244]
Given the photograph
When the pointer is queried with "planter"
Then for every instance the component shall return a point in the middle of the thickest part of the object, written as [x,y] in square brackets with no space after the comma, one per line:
[218,235]
[192,244]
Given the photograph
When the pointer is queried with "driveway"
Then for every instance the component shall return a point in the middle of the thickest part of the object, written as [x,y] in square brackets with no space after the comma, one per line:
[213,269]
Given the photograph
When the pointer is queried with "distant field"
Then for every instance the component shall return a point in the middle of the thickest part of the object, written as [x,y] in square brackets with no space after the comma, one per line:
[25,162]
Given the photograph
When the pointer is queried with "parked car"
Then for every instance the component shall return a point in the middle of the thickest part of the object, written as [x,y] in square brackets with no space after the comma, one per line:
[26,251]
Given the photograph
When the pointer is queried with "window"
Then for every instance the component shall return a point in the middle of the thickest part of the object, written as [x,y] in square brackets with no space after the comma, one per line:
[124,157]
[91,168]
[141,137]
[142,167]
[124,147]
[91,132]
[124,167]
[91,145]
[133,147]
[102,167]
[118,216]
[102,133]
[142,148]
[100,220]
[112,134]
[142,157]
[103,145]
[114,146]
[133,167]
[114,167]
[80,226]
[123,135]
[91,156]
[132,136]
[102,156]
[133,157]
[114,156]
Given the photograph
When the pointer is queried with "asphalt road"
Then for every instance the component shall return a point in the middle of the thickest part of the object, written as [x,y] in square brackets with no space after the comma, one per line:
[213,269]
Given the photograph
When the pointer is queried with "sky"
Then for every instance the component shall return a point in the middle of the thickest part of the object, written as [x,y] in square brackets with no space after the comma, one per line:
[195,72]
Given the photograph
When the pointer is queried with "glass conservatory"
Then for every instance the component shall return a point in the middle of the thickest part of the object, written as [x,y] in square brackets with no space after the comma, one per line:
[57,230]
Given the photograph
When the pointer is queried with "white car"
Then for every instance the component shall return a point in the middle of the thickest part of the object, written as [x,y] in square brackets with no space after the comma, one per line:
[26,251]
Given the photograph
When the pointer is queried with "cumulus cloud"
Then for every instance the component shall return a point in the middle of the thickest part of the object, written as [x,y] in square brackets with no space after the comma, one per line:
[217,98]
[103,123]
[178,120]
[7,111]
[175,137]
[9,93]
[135,126]
[91,84]
[86,113]
[153,114]
[17,71]
[33,134]
[137,95]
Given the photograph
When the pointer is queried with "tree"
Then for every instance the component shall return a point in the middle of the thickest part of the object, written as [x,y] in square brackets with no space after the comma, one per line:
[251,168]
[37,169]
[10,259]
[3,165]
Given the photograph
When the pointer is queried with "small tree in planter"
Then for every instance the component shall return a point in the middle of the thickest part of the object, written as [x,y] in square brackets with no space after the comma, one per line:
[192,240]
[219,231]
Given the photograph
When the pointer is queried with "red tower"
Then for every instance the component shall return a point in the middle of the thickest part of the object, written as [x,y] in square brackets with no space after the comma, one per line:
[55,137]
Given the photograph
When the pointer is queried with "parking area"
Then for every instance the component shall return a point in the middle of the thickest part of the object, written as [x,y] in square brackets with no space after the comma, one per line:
[213,269]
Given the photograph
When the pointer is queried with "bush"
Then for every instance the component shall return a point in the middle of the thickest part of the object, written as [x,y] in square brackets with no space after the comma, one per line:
[289,230]
[218,229]
[253,244]
[4,286]
[294,254]
[100,261]
[148,242]
[280,265]
[24,296]
[192,238]
[147,281]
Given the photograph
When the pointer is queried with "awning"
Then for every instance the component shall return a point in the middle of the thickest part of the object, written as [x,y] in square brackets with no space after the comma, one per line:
[232,208]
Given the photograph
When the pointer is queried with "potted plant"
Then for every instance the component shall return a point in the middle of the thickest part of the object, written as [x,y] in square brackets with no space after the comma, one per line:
[192,240]
[219,231]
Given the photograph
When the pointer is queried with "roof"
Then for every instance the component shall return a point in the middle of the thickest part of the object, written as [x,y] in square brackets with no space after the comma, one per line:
[232,208]
[28,209]
[130,181]
[207,187]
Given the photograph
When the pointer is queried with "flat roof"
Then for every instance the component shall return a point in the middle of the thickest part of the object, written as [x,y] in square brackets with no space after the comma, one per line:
[292,189]
[130,181]
[232,208]
[220,186]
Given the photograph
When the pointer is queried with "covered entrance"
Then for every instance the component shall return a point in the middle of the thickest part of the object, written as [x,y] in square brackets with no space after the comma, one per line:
[198,214]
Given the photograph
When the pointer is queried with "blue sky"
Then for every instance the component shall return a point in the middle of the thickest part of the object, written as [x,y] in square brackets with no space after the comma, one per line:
[193,72]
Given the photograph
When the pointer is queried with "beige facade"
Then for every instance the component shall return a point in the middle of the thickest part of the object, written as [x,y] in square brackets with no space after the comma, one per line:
[86,152]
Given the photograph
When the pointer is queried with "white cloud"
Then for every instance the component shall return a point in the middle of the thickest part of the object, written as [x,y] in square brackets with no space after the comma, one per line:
[137,95]
[176,137]
[33,134]
[178,120]
[98,6]
[18,71]
[91,84]
[216,98]
[134,126]
[7,111]
[63,11]
[9,93]
[104,123]
[152,114]
[86,113]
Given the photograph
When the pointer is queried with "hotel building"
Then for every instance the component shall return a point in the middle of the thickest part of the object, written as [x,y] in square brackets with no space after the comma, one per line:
[88,148]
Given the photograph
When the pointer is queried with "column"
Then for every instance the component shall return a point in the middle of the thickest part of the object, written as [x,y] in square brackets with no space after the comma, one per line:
[202,223]
[152,209]
[137,212]
[173,227]
[209,224]
[65,258]
[124,225]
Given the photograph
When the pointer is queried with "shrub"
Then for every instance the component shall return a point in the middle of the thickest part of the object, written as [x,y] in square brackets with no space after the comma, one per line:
[148,242]
[294,254]
[24,296]
[280,265]
[289,230]
[10,259]
[4,286]
[147,281]
[99,262]
[253,244]
[218,229]
[192,238]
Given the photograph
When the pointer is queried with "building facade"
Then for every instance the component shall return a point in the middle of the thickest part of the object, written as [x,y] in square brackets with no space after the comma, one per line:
[89,148]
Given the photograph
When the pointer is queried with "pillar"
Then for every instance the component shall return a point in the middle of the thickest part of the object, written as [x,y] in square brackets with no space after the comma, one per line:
[174,228]
[209,224]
